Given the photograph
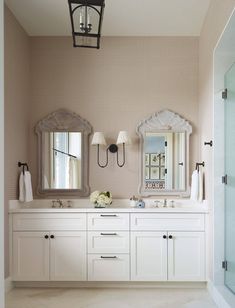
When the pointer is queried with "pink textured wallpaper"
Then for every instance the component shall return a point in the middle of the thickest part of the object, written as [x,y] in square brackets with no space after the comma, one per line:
[114,89]
[17,56]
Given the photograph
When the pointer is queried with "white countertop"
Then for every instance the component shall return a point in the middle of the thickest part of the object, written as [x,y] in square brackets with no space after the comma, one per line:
[118,205]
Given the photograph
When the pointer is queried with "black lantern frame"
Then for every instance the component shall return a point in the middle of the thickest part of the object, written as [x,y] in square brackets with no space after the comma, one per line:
[98,7]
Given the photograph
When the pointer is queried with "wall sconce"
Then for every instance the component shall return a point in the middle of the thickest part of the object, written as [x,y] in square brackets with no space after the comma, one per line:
[86,21]
[99,140]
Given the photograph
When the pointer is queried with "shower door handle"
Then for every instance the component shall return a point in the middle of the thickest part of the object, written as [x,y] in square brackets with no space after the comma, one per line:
[225,179]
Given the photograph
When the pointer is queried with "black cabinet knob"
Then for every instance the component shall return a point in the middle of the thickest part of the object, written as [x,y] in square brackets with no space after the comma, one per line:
[170,237]
[52,236]
[46,236]
[164,236]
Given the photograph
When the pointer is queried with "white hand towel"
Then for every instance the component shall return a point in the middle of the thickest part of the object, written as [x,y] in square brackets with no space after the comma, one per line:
[200,186]
[28,187]
[25,187]
[195,186]
[21,188]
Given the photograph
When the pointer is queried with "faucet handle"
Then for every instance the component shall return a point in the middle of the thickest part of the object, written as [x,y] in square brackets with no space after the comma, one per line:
[165,202]
[69,203]
[157,202]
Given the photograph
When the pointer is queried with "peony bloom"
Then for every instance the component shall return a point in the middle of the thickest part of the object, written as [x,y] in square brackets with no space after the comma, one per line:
[94,196]
[103,197]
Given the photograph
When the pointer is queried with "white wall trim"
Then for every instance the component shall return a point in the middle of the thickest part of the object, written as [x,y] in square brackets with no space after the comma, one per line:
[219,293]
[111,284]
[8,284]
[2,154]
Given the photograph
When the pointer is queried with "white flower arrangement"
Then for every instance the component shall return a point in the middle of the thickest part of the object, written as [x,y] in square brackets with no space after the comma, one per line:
[101,198]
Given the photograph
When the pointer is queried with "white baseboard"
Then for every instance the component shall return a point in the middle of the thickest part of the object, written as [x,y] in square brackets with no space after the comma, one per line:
[111,284]
[8,284]
[221,295]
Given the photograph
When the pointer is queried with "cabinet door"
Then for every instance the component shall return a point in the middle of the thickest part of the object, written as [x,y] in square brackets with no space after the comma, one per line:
[148,256]
[68,256]
[30,256]
[186,256]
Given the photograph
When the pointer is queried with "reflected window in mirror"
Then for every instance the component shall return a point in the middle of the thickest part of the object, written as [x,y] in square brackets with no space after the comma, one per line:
[62,157]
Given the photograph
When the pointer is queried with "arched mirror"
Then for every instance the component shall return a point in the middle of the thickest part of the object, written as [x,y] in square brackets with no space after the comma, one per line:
[164,159]
[63,154]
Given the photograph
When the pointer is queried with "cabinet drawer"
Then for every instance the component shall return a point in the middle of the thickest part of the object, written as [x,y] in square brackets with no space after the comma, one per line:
[108,267]
[108,221]
[162,221]
[108,242]
[50,221]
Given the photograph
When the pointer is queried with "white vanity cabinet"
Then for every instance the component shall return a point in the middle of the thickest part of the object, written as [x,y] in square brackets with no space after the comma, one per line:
[165,254]
[108,245]
[47,254]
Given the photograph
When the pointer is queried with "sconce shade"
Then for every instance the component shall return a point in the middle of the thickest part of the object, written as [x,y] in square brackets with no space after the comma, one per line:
[98,139]
[123,137]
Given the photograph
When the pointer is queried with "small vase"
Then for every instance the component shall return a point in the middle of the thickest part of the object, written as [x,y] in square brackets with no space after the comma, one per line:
[100,206]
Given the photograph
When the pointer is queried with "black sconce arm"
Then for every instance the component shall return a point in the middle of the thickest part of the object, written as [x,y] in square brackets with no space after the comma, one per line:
[113,148]
[98,157]
[123,154]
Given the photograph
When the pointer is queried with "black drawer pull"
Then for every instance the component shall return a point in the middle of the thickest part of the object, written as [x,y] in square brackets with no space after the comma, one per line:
[108,215]
[108,257]
[170,237]
[46,236]
[164,236]
[108,233]
[52,236]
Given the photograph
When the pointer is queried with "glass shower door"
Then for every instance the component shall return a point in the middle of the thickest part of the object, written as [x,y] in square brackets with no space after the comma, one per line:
[229,105]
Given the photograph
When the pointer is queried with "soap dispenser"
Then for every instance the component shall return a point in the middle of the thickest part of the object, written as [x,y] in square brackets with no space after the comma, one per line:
[140,203]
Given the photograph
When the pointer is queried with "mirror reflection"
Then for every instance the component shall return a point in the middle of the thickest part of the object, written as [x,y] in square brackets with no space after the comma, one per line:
[164,146]
[164,157]
[62,160]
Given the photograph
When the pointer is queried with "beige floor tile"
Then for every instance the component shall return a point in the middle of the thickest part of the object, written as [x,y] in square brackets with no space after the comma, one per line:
[108,298]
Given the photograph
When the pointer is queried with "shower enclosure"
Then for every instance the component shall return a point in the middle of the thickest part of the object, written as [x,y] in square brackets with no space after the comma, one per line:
[229,179]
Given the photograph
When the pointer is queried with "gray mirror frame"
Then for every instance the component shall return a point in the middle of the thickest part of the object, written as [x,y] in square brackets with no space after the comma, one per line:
[164,120]
[59,121]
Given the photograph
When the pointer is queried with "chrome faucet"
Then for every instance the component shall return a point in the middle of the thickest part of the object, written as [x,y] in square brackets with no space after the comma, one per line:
[165,203]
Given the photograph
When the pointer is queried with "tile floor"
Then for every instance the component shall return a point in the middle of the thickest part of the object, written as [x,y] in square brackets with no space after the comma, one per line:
[108,298]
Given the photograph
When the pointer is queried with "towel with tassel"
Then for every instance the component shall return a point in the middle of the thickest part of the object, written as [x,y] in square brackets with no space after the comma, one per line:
[25,187]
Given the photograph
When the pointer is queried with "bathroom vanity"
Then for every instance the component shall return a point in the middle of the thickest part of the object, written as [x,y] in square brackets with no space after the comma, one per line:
[112,244]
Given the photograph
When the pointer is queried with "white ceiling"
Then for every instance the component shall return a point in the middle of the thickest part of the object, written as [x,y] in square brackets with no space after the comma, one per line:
[121,17]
